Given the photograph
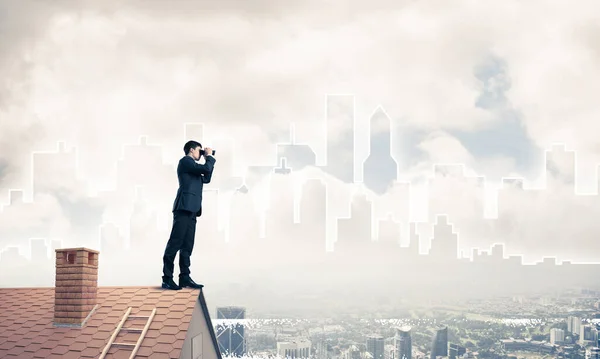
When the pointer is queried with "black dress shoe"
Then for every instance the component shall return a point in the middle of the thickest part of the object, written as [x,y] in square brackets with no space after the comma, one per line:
[188,282]
[170,284]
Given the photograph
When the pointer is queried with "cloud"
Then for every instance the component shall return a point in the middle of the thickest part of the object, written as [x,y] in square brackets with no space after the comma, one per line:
[22,220]
[99,66]
[118,72]
[98,76]
[443,148]
[554,69]
[548,223]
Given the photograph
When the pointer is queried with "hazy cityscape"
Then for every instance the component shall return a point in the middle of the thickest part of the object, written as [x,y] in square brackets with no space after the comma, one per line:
[566,328]
[393,179]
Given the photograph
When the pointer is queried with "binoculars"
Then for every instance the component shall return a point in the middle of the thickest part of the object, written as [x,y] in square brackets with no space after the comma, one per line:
[203,153]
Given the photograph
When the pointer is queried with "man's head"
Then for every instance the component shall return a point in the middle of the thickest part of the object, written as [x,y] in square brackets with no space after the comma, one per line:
[192,148]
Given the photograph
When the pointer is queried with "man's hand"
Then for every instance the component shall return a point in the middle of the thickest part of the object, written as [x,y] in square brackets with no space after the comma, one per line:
[207,151]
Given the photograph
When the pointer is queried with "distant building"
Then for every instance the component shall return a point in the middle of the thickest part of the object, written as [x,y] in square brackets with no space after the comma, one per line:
[557,336]
[588,335]
[390,351]
[569,352]
[456,351]
[546,348]
[322,350]
[230,333]
[439,343]
[528,345]
[574,325]
[375,346]
[515,344]
[294,349]
[403,343]
[353,352]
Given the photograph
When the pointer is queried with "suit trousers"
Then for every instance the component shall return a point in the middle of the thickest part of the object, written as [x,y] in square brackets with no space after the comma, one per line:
[182,240]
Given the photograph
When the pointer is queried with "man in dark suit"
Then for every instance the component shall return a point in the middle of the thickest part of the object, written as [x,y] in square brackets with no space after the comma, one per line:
[187,206]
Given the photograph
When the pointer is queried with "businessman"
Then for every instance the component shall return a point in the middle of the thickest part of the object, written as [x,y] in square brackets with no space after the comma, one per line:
[187,206]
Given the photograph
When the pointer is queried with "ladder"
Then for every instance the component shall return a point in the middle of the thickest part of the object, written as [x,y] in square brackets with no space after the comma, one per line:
[135,346]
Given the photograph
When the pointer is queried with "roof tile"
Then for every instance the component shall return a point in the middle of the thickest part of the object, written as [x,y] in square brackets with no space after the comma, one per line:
[30,335]
[174,354]
[119,306]
[172,322]
[128,337]
[101,335]
[46,332]
[180,335]
[16,351]
[163,348]
[42,353]
[165,339]
[159,356]
[38,339]
[61,349]
[68,341]
[32,348]
[153,333]
[14,337]
[7,345]
[156,323]
[27,330]
[149,342]
[146,351]
[89,353]
[71,355]
[55,356]
[83,338]
[178,315]
[96,343]
[178,307]
[170,330]
[50,344]
[105,327]
[177,343]
[119,353]
[77,347]
[22,342]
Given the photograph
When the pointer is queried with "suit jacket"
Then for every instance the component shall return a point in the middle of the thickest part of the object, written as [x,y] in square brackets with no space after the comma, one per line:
[192,177]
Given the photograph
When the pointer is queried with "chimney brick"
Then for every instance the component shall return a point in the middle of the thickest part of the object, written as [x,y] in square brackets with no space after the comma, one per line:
[76,288]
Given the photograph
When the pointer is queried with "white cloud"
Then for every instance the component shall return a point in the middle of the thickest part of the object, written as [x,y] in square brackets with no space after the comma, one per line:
[25,219]
[549,223]
[98,79]
[443,148]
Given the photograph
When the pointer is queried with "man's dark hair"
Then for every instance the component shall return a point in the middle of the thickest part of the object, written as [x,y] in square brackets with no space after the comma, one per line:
[191,145]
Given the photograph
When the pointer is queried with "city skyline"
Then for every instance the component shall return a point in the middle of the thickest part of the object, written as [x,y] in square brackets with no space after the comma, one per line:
[228,184]
[450,91]
[273,210]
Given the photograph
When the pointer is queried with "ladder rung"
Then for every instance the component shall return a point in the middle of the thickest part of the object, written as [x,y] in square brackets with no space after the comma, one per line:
[138,317]
[124,345]
[134,330]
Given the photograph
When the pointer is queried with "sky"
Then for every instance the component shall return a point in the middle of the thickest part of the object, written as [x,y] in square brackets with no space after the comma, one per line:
[489,85]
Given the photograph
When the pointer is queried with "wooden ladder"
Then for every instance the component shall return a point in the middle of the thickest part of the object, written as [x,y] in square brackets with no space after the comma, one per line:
[135,346]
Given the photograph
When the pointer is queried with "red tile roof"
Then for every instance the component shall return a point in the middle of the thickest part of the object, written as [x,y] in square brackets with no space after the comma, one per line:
[27,329]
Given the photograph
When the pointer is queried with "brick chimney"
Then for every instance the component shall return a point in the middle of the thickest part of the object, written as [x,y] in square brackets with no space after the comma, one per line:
[75,293]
